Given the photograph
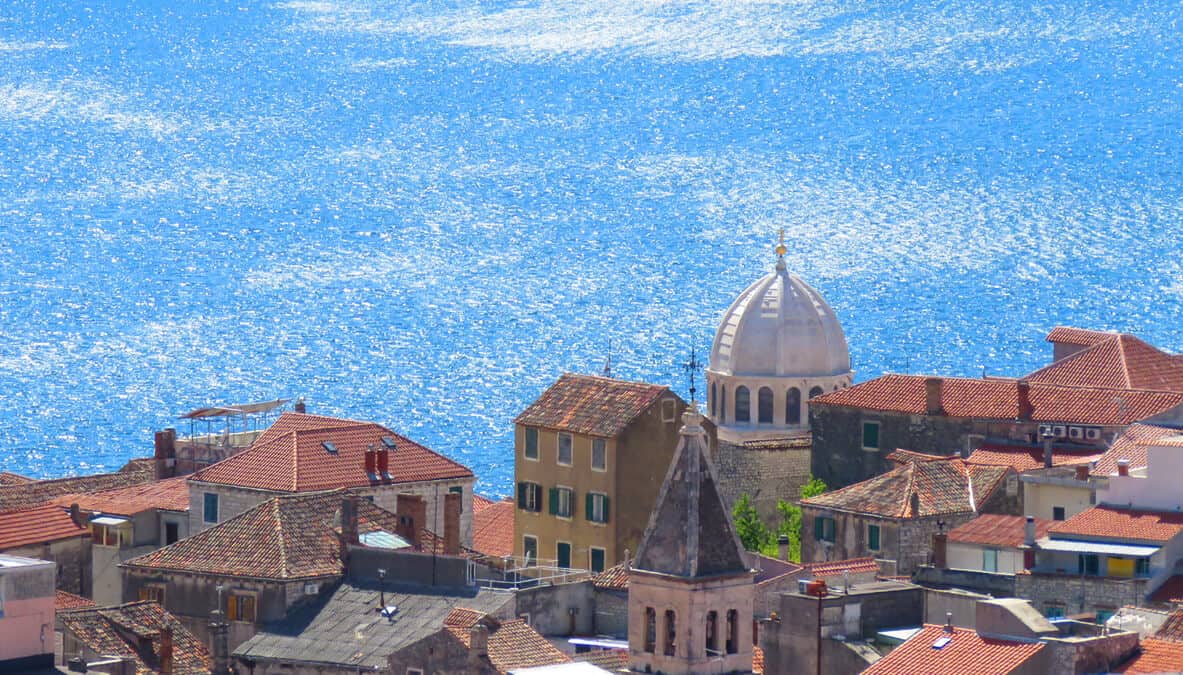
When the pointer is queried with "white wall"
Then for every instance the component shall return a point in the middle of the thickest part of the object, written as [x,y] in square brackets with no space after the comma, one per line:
[1158,490]
[962,556]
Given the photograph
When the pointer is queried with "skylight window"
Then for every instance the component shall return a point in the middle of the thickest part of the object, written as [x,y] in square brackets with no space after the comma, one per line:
[388,441]
[941,642]
[330,447]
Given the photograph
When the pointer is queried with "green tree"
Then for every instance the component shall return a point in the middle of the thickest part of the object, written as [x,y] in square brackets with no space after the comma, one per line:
[753,533]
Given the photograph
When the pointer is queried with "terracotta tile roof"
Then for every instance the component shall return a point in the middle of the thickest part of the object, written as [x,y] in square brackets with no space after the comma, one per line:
[1169,591]
[1172,628]
[63,601]
[1082,337]
[1155,656]
[170,494]
[285,537]
[614,578]
[966,652]
[1109,522]
[1131,444]
[1116,361]
[492,528]
[37,525]
[611,660]
[28,495]
[991,529]
[770,569]
[295,459]
[997,398]
[1025,457]
[942,487]
[594,406]
[133,630]
[10,478]
[512,644]
[757,660]
[835,568]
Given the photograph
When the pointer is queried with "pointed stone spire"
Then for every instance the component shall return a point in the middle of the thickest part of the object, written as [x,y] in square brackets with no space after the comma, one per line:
[690,533]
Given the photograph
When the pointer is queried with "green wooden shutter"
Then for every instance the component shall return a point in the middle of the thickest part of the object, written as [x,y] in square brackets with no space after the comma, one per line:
[587,504]
[554,501]
[573,503]
[819,528]
[873,537]
[537,496]
[522,487]
[606,517]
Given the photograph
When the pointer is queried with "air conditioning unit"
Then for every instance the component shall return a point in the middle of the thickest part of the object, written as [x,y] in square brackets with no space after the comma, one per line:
[1092,434]
[1076,433]
[1059,431]
[803,586]
[1045,429]
[311,589]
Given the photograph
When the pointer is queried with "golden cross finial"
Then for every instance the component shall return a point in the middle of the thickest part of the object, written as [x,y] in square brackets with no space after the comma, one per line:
[781,249]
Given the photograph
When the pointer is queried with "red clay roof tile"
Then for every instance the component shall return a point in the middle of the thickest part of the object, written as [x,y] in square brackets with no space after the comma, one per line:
[1131,444]
[999,399]
[1082,337]
[1025,458]
[1117,361]
[835,568]
[1172,628]
[594,406]
[295,458]
[28,495]
[613,578]
[1170,591]
[991,529]
[1109,522]
[512,644]
[63,601]
[170,494]
[39,525]
[966,652]
[492,528]
[10,478]
[133,631]
[1155,656]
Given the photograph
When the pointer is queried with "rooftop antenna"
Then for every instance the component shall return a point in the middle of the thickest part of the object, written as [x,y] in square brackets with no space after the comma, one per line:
[691,367]
[607,371]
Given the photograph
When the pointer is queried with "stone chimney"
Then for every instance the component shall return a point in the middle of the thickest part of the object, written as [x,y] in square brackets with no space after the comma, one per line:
[932,396]
[383,457]
[371,462]
[299,406]
[165,450]
[76,515]
[1029,531]
[166,650]
[478,646]
[412,516]
[349,534]
[940,550]
[782,547]
[452,508]
[1123,467]
[1026,410]
[1047,449]
[1082,472]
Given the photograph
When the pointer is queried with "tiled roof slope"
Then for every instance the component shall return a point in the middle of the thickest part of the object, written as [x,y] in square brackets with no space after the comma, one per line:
[512,644]
[1155,656]
[594,406]
[28,495]
[1025,458]
[1108,522]
[1172,628]
[170,494]
[966,652]
[492,527]
[38,525]
[1131,444]
[614,578]
[64,601]
[1118,361]
[941,486]
[834,568]
[690,533]
[999,399]
[991,529]
[133,630]
[1169,591]
[285,537]
[296,460]
[1082,337]
[10,478]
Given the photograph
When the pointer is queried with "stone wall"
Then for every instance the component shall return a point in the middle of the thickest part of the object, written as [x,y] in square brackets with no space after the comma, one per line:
[906,541]
[1079,594]
[560,609]
[764,472]
[1099,655]
[73,558]
[990,583]
[611,613]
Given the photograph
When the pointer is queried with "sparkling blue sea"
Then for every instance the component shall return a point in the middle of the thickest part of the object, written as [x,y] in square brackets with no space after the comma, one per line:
[420,213]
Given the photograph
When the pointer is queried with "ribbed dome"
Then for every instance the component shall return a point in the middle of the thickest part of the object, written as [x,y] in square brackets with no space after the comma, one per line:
[780,326]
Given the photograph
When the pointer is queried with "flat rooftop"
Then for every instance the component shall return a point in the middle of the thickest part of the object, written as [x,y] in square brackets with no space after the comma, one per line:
[10,561]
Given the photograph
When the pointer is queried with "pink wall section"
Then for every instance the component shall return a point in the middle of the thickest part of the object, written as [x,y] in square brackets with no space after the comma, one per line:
[21,628]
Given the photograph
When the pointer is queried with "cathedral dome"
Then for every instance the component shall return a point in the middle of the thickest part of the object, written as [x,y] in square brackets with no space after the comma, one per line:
[780,327]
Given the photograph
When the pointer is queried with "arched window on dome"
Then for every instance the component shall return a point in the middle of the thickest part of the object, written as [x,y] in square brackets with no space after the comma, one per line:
[722,404]
[816,391]
[764,405]
[743,404]
[712,401]
[793,406]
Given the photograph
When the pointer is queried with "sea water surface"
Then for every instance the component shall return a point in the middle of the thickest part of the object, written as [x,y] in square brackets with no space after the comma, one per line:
[420,213]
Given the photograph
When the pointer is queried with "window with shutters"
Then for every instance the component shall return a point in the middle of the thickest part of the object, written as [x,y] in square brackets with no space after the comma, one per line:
[598,555]
[209,511]
[823,528]
[989,560]
[669,410]
[597,507]
[562,502]
[563,554]
[870,435]
[530,496]
[530,550]
[152,592]
[564,451]
[599,460]
[240,607]
[531,448]
[873,537]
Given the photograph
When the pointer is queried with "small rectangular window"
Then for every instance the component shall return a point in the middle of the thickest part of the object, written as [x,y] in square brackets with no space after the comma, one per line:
[152,593]
[531,449]
[1088,563]
[599,454]
[597,559]
[562,502]
[870,435]
[209,511]
[873,537]
[823,528]
[1054,612]
[530,550]
[240,607]
[1057,513]
[597,507]
[530,496]
[669,410]
[564,457]
[1142,567]
[563,554]
[990,560]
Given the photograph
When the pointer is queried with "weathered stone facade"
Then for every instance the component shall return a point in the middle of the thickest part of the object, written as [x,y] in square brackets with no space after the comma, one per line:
[1076,594]
[73,558]
[766,471]
[907,541]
